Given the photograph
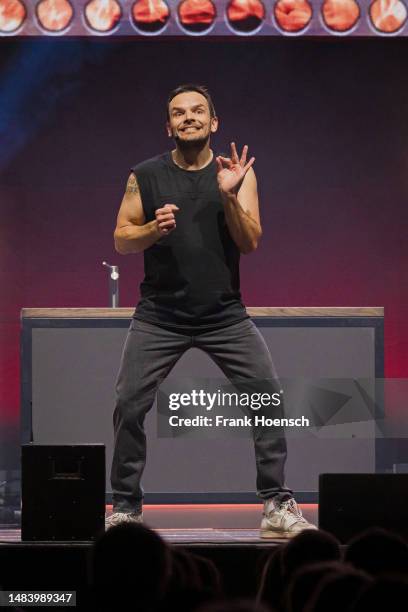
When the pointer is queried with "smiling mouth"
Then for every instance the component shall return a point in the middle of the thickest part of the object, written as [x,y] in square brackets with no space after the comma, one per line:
[190,128]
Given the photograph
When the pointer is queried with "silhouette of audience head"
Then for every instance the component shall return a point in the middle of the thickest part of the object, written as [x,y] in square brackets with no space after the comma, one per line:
[378,552]
[338,590]
[130,563]
[303,583]
[309,546]
[194,580]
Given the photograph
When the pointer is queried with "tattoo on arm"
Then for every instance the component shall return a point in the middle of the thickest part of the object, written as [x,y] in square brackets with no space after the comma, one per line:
[131,185]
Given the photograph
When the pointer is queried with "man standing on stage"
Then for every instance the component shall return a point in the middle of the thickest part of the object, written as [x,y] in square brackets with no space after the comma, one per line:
[192,214]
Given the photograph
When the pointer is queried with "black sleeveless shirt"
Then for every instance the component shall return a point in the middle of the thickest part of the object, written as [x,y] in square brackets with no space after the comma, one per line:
[191,279]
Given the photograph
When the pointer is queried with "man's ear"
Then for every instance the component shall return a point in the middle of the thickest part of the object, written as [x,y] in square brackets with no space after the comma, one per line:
[214,125]
[168,129]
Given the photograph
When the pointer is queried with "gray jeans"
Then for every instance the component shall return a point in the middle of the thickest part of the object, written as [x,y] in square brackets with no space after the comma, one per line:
[149,354]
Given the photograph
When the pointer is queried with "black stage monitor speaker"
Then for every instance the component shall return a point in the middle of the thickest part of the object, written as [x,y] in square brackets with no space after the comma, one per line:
[350,503]
[63,492]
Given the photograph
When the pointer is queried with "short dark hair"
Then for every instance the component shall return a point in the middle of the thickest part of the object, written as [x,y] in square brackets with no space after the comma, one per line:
[191,87]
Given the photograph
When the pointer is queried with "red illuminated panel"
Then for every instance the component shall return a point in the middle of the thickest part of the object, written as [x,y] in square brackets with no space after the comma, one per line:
[340,15]
[12,15]
[245,15]
[196,15]
[103,15]
[388,15]
[150,15]
[54,15]
[292,15]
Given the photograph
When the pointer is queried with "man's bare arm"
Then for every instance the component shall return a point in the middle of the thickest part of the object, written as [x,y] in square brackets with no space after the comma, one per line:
[242,214]
[132,233]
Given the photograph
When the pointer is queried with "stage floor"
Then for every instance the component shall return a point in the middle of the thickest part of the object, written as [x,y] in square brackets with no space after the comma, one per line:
[192,524]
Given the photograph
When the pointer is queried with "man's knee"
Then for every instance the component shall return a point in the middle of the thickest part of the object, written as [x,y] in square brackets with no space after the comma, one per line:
[132,403]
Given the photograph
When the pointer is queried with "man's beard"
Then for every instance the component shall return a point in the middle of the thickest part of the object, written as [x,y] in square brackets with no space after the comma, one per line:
[193,143]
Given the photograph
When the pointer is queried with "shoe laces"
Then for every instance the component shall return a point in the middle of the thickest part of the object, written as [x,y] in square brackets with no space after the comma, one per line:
[123,516]
[291,506]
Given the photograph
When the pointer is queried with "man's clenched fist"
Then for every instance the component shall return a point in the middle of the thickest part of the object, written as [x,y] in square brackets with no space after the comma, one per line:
[166,221]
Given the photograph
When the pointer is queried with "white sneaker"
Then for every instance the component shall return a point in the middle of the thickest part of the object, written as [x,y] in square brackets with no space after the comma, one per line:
[116,518]
[283,520]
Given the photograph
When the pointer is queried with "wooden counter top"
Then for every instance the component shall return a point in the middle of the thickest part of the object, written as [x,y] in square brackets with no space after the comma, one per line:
[257,311]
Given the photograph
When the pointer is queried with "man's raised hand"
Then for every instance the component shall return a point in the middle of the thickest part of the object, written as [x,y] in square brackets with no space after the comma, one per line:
[231,171]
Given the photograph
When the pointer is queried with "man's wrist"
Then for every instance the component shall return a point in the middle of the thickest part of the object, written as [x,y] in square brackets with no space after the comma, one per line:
[155,229]
[229,196]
